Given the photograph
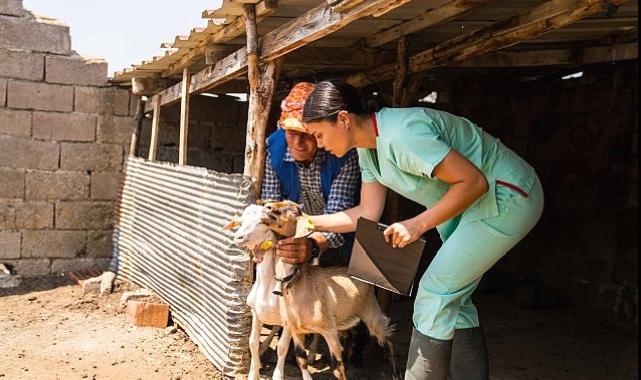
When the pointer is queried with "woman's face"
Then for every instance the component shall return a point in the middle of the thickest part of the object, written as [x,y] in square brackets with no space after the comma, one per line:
[332,136]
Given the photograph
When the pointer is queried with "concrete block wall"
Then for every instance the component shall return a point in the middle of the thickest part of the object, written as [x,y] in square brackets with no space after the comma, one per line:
[64,132]
[216,139]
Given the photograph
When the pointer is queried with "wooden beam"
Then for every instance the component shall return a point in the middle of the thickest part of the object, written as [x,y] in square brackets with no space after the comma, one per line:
[183,146]
[148,86]
[310,26]
[260,103]
[215,52]
[252,46]
[434,17]
[553,57]
[539,20]
[401,71]
[226,33]
[155,122]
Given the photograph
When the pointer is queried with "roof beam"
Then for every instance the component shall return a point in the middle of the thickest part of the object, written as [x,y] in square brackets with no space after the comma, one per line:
[225,34]
[553,57]
[434,17]
[541,19]
[310,26]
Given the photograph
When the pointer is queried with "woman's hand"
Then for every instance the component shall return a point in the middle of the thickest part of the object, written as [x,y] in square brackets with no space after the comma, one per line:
[403,233]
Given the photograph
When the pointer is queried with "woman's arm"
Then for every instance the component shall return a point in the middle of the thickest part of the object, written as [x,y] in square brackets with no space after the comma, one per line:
[467,184]
[373,196]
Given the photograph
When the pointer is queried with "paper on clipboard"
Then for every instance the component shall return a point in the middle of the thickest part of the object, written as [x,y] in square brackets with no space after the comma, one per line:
[374,260]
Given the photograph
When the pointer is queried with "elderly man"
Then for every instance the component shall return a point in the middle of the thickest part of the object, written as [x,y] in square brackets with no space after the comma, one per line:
[297,170]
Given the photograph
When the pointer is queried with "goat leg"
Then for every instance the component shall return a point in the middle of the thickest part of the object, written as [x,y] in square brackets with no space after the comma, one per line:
[265,344]
[336,353]
[281,350]
[254,344]
[301,357]
[313,349]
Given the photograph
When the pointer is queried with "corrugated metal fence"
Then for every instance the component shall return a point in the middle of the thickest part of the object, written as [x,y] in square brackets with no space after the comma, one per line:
[169,238]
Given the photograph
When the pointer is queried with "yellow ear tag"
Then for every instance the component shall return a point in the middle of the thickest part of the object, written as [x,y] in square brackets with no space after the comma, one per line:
[267,244]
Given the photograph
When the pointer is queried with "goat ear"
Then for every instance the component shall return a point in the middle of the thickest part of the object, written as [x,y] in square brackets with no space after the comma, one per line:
[304,226]
[231,225]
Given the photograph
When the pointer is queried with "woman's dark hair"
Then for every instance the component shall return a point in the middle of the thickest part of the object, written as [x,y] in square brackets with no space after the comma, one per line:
[329,98]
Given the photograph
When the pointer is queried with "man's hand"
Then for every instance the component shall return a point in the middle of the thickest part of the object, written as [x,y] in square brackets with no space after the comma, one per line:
[294,250]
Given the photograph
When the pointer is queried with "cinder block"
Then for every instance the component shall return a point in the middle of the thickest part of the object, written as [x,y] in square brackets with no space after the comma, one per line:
[64,266]
[53,243]
[109,100]
[11,8]
[9,245]
[11,183]
[99,243]
[3,92]
[116,129]
[228,139]
[15,122]
[34,215]
[39,34]
[147,314]
[21,64]
[28,154]
[76,70]
[57,185]
[105,185]
[64,126]
[31,267]
[7,215]
[85,156]
[84,215]
[40,96]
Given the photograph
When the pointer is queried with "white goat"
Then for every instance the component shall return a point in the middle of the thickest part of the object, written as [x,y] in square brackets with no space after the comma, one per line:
[254,235]
[320,300]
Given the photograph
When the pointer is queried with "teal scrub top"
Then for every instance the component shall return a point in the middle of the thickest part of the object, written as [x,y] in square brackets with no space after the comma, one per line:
[411,142]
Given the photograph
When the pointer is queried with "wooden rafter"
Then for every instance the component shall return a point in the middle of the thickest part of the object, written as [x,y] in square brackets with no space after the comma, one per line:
[541,19]
[434,17]
[225,34]
[554,57]
[310,26]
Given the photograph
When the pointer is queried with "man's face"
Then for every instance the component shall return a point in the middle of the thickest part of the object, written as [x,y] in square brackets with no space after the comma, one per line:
[302,145]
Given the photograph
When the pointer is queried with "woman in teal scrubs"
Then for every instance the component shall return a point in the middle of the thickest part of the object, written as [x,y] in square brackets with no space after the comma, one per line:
[480,196]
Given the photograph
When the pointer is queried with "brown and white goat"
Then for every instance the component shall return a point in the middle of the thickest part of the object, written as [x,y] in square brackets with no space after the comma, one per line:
[319,300]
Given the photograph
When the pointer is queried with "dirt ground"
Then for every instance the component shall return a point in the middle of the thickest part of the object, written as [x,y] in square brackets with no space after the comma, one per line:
[48,330]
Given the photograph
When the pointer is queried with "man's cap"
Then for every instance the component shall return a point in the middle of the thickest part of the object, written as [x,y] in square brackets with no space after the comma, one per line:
[291,108]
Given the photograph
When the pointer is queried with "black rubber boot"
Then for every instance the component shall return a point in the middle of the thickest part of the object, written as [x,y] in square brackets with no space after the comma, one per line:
[469,355]
[428,359]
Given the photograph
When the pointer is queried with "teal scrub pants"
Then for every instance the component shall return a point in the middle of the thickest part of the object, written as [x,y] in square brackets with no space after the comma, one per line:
[443,301]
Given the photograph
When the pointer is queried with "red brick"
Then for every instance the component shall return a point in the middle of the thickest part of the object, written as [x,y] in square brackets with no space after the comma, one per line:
[146,314]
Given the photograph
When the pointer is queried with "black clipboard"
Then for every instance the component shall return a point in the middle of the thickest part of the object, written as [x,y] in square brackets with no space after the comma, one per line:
[374,260]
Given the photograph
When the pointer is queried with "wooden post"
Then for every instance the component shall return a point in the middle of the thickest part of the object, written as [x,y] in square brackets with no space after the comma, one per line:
[155,122]
[140,117]
[184,118]
[261,86]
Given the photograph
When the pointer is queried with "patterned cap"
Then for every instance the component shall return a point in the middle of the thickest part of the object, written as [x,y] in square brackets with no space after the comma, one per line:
[291,108]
